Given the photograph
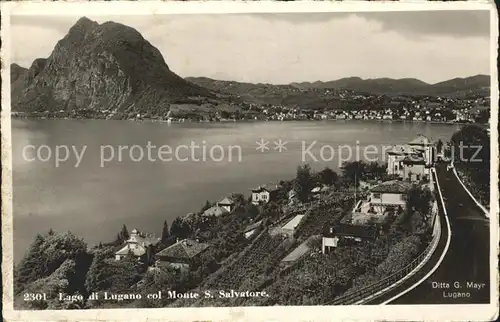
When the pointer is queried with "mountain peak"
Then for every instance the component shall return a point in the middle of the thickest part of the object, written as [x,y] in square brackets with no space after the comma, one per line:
[86,23]
[106,66]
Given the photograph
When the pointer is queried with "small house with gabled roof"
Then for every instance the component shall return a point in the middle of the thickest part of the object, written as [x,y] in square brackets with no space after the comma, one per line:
[226,203]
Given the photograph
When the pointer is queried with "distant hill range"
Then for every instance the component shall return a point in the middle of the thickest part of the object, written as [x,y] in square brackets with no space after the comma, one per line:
[105,66]
[111,68]
[457,87]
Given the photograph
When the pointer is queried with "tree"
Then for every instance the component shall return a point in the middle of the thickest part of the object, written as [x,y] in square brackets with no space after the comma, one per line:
[123,235]
[353,171]
[374,170]
[30,268]
[165,232]
[47,255]
[419,199]
[58,282]
[180,228]
[251,210]
[238,198]
[483,116]
[439,146]
[418,225]
[471,144]
[303,183]
[206,206]
[471,152]
[97,278]
[328,177]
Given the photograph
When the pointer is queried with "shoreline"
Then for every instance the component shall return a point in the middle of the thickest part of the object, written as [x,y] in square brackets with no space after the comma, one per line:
[247,120]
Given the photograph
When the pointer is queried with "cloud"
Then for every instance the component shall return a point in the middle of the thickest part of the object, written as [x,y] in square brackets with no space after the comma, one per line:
[293,47]
[418,23]
[471,23]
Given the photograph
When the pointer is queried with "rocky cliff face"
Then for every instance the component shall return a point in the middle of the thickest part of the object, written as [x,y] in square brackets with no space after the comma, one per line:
[16,71]
[105,66]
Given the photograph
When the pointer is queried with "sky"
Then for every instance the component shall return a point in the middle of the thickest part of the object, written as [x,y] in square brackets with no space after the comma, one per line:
[293,47]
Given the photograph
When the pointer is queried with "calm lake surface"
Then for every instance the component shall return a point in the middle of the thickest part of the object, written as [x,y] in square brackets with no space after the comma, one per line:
[94,202]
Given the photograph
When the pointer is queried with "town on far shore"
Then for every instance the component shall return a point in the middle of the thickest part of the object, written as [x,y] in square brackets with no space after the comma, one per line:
[342,104]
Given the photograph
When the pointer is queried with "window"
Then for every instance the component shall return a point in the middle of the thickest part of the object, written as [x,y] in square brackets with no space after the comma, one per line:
[403,197]
[396,167]
[376,195]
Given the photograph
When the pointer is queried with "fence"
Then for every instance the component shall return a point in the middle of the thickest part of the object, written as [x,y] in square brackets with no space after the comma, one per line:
[382,286]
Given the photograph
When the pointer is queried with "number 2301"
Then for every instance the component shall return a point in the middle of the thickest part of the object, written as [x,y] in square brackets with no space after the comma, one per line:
[35,296]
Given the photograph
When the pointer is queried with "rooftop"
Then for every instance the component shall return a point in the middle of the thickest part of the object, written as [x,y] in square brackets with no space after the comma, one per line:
[294,222]
[267,187]
[401,150]
[215,211]
[226,201]
[319,189]
[414,159]
[185,249]
[253,226]
[136,251]
[393,186]
[420,140]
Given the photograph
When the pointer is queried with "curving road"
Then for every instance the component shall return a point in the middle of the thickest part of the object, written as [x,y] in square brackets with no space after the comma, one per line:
[463,275]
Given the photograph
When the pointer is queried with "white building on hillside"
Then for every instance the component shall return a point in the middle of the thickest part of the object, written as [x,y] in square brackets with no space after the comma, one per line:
[289,228]
[423,145]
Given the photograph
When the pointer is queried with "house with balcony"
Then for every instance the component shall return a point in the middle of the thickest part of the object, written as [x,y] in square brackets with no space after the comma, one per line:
[389,193]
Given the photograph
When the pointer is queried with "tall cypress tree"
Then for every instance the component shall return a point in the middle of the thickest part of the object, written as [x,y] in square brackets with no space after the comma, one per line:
[123,235]
[165,232]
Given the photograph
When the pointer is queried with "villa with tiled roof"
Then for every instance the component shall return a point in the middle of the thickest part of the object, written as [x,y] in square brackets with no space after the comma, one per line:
[419,150]
[425,146]
[181,254]
[140,245]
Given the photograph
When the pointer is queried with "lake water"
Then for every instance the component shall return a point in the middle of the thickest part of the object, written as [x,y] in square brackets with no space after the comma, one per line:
[94,201]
